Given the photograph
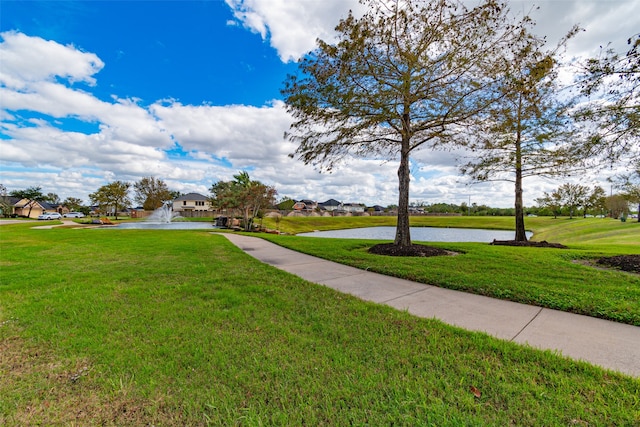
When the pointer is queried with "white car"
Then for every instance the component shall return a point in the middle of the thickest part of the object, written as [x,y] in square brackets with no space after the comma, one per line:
[50,215]
[74,215]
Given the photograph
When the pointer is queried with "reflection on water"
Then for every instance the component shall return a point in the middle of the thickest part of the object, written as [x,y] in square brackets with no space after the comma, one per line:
[420,234]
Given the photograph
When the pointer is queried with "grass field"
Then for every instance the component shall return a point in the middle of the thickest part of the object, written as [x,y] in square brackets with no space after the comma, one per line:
[144,327]
[563,279]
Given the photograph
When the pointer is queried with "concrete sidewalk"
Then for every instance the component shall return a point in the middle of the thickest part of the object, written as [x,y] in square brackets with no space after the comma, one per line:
[608,344]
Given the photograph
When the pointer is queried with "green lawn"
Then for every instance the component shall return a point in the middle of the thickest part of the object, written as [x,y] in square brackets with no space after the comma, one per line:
[563,279]
[144,327]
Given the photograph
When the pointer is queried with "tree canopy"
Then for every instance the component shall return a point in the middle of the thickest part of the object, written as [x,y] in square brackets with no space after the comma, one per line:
[151,192]
[404,76]
[529,131]
[112,197]
[244,194]
[611,84]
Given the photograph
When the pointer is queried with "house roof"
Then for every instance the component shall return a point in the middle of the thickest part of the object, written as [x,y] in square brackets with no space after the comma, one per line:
[11,200]
[23,203]
[330,202]
[191,196]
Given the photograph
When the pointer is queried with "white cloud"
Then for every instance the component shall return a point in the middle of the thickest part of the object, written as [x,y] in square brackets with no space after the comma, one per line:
[30,59]
[235,131]
[292,27]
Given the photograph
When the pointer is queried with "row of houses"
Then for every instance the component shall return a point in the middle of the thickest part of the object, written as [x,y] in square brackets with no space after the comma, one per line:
[194,202]
[191,204]
[333,206]
[27,208]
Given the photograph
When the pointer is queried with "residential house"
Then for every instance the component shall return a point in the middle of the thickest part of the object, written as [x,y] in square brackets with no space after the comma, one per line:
[33,209]
[192,202]
[305,206]
[353,207]
[330,205]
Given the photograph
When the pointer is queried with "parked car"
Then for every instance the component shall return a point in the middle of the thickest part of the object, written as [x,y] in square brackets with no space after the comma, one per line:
[50,215]
[74,215]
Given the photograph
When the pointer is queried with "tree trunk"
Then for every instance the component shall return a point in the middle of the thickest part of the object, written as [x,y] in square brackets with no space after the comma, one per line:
[247,224]
[403,233]
[521,234]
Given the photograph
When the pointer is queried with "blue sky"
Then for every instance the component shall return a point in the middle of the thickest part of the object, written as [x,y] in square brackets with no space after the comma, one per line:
[188,92]
[181,50]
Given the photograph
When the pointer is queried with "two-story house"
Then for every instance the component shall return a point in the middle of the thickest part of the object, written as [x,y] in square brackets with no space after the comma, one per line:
[191,202]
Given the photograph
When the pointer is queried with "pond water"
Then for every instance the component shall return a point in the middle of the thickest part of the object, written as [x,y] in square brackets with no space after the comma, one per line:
[177,225]
[420,234]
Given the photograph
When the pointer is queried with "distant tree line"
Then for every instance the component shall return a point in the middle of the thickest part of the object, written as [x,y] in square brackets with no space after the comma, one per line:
[576,199]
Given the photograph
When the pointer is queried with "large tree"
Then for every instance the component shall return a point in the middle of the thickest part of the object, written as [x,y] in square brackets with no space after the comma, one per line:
[114,196]
[244,194]
[400,78]
[151,192]
[529,131]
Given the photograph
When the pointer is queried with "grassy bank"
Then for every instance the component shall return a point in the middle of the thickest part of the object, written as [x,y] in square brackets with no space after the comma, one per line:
[140,327]
[561,279]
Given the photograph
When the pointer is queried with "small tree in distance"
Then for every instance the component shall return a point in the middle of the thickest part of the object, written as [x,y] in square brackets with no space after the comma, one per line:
[552,201]
[151,192]
[630,185]
[573,196]
[244,194]
[73,204]
[595,201]
[112,196]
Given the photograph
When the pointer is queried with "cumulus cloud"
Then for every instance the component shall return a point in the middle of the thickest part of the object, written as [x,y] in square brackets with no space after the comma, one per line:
[245,133]
[31,59]
[292,27]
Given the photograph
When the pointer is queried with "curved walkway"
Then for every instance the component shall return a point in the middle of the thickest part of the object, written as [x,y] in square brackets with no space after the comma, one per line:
[611,345]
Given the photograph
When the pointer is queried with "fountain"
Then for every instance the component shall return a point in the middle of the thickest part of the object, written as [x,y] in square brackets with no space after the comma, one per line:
[164,214]
[164,218]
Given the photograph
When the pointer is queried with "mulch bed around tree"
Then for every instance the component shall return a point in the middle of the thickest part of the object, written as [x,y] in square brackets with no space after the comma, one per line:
[391,249]
[630,263]
[542,244]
